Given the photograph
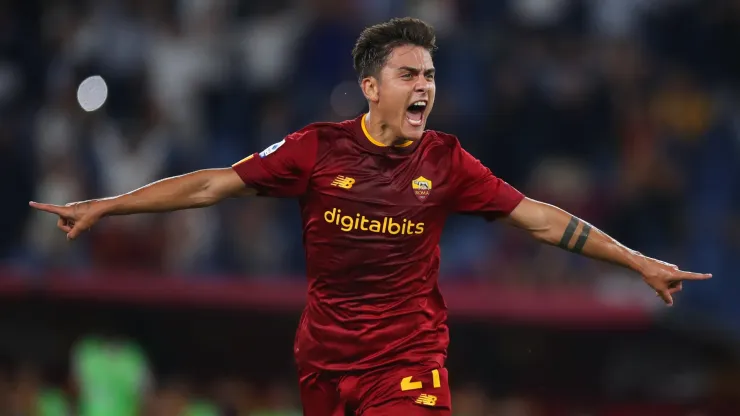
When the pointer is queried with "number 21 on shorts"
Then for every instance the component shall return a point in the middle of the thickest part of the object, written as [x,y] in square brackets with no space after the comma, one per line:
[407,383]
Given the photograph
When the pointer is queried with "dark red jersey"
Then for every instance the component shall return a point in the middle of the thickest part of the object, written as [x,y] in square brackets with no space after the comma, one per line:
[372,221]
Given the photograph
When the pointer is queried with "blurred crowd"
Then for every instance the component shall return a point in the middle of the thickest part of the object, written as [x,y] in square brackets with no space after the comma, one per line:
[114,377]
[624,112]
[24,392]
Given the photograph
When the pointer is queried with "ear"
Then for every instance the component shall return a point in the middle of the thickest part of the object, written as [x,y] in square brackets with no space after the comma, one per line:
[369,87]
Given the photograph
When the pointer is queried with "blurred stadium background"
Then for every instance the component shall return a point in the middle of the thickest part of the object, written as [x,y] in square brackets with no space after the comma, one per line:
[624,112]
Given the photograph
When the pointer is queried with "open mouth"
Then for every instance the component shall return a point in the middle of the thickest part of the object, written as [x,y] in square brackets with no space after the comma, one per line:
[415,113]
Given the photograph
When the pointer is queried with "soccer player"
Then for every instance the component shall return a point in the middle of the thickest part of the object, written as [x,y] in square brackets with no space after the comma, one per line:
[374,193]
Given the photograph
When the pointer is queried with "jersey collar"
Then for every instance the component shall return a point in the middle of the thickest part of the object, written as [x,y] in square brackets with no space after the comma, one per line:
[370,143]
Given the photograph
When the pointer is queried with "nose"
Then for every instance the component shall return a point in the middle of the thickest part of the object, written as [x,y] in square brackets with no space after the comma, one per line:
[422,85]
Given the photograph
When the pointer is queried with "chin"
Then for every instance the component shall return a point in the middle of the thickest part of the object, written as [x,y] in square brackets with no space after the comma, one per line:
[411,132]
[413,135]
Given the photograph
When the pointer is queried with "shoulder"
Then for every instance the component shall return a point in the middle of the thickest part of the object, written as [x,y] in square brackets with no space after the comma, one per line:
[445,151]
[331,138]
[435,138]
[325,131]
[308,139]
[439,146]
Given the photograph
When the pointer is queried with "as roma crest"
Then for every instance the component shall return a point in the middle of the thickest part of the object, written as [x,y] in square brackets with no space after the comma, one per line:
[422,187]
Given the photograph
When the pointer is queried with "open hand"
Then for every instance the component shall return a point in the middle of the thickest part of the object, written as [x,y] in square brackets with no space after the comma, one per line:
[74,218]
[665,278]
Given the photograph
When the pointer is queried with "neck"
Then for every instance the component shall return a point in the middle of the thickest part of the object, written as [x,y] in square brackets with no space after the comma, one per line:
[381,131]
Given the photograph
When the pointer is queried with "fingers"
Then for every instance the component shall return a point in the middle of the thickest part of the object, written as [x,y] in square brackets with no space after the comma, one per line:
[666,296]
[54,209]
[668,284]
[68,221]
[680,274]
[675,289]
[74,232]
[63,225]
[77,229]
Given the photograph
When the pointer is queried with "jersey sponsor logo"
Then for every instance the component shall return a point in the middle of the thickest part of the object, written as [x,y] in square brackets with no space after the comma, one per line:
[384,225]
[427,400]
[272,148]
[422,187]
[343,182]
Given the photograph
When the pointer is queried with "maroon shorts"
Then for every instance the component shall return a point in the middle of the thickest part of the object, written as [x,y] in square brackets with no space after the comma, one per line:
[420,390]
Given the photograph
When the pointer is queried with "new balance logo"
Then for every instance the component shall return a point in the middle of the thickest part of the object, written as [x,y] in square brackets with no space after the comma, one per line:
[343,182]
[427,400]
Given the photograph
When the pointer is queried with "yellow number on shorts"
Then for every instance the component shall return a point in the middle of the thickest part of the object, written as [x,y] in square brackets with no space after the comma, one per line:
[407,384]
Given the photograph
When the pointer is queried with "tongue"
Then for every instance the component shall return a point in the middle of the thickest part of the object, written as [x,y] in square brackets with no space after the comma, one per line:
[414,115]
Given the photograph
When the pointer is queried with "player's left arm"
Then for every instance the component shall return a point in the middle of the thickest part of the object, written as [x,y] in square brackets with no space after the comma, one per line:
[552,225]
[477,191]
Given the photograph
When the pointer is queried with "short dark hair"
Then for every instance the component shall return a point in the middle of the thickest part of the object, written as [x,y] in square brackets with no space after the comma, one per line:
[376,42]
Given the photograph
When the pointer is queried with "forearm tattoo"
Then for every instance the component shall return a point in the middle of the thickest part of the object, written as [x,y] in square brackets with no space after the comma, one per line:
[568,235]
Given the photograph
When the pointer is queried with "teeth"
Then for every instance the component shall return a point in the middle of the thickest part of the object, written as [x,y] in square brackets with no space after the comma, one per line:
[420,103]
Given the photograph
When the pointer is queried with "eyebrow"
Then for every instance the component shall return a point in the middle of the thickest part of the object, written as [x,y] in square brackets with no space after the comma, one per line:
[413,70]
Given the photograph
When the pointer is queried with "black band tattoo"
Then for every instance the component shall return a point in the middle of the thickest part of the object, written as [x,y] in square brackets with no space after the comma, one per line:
[568,235]
[582,239]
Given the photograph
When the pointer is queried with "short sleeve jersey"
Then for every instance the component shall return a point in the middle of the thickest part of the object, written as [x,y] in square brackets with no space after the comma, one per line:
[372,220]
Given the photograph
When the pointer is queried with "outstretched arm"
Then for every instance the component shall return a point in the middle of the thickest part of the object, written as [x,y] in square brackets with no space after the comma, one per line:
[552,225]
[197,189]
[281,170]
[193,190]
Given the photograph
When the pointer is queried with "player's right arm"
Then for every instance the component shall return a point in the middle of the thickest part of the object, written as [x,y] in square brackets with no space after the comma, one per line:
[282,170]
[193,190]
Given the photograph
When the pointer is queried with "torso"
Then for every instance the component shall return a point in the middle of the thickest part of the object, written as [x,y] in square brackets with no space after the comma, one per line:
[372,219]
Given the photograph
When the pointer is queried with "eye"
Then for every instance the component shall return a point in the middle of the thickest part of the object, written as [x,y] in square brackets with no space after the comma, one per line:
[430,77]
[406,76]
